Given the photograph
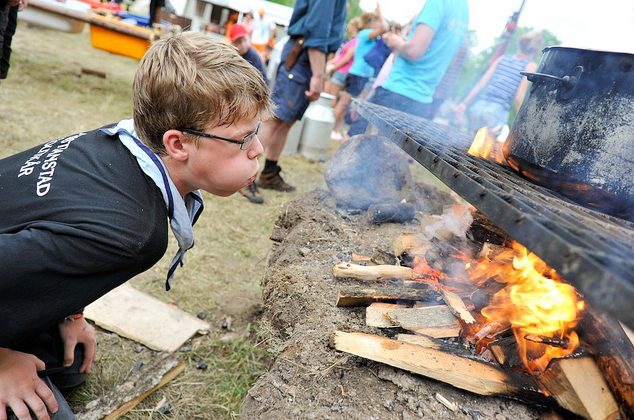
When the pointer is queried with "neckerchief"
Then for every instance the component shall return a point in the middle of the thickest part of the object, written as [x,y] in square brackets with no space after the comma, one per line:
[182,211]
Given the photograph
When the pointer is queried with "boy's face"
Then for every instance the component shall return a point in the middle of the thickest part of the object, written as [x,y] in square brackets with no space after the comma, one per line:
[220,167]
[242,44]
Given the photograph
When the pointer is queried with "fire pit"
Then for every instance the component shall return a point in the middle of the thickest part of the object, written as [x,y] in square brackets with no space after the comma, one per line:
[592,251]
[302,325]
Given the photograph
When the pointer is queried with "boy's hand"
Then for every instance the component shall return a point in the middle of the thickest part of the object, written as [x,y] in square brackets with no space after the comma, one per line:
[78,331]
[21,388]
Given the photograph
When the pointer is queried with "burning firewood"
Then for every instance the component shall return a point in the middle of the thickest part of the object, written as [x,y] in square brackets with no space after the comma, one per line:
[614,354]
[465,373]
[550,341]
[506,353]
[411,243]
[435,321]
[578,386]
[457,306]
[449,347]
[360,296]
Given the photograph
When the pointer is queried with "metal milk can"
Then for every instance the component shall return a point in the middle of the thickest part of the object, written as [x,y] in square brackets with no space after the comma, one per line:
[319,120]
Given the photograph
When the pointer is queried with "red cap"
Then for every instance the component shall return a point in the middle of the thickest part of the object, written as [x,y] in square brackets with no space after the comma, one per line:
[237,31]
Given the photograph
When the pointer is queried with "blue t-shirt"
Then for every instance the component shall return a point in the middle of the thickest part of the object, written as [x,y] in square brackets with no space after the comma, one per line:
[253,57]
[360,67]
[418,79]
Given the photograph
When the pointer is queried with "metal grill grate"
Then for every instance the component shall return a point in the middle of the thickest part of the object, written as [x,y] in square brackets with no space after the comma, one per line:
[592,251]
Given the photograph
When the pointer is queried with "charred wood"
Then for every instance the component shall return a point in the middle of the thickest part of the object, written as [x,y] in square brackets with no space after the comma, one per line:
[465,373]
[614,354]
[364,295]
[483,230]
[380,257]
[391,213]
[578,386]
[505,352]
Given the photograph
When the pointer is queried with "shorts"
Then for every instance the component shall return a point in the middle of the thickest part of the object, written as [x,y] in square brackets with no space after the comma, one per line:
[392,100]
[339,78]
[369,84]
[259,47]
[355,84]
[290,86]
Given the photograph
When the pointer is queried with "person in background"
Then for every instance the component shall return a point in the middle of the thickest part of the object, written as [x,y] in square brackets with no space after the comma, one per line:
[263,34]
[233,19]
[447,85]
[83,214]
[501,85]
[421,61]
[8,24]
[247,22]
[373,25]
[156,6]
[315,30]
[240,39]
[337,67]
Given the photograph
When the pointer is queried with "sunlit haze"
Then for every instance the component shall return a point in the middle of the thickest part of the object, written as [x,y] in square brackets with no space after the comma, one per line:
[607,25]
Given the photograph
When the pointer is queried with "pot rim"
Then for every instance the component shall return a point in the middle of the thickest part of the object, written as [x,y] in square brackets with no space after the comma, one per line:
[589,50]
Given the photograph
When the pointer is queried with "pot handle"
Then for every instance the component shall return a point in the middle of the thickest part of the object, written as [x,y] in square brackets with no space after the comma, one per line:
[569,82]
[566,80]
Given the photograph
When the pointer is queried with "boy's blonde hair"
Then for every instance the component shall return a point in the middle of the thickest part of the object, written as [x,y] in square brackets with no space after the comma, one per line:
[193,81]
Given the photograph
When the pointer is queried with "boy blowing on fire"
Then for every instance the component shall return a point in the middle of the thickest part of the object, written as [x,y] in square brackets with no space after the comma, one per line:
[81,215]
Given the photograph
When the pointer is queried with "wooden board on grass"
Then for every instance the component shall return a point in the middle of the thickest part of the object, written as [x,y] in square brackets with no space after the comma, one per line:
[138,316]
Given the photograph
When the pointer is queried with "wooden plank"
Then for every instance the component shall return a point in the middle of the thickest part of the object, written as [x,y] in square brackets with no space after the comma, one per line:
[450,347]
[436,321]
[457,306]
[412,243]
[464,373]
[628,333]
[579,386]
[361,296]
[141,383]
[145,319]
[95,19]
[371,273]
[614,354]
[375,314]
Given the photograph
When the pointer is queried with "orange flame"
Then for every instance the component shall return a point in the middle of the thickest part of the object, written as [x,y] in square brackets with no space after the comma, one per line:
[485,145]
[424,271]
[536,302]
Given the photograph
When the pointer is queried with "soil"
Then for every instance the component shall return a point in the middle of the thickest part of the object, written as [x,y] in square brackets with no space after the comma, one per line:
[311,380]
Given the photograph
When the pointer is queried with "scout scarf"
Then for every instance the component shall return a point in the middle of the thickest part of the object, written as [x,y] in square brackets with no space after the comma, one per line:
[183,211]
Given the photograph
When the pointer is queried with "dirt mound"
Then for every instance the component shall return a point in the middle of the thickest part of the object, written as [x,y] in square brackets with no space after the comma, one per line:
[309,379]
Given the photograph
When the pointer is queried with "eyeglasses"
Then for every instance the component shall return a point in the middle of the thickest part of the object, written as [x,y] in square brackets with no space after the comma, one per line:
[245,143]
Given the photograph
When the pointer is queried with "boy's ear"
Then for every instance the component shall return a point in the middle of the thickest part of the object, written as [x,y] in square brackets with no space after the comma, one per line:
[174,145]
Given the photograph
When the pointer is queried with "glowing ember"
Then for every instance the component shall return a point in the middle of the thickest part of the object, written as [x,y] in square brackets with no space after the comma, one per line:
[541,309]
[486,145]
[424,271]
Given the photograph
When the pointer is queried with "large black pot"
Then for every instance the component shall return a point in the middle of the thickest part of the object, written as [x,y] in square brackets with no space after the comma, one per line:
[575,130]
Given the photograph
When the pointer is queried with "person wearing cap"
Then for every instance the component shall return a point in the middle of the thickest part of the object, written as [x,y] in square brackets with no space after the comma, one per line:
[239,37]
